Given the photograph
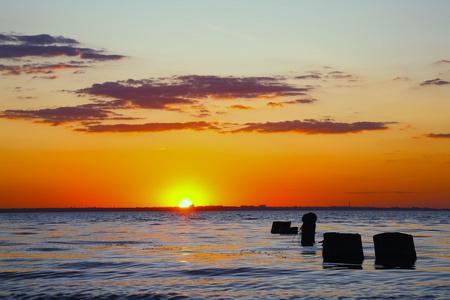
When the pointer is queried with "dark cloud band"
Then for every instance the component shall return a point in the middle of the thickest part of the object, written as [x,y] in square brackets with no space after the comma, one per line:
[40,39]
[37,68]
[182,90]
[313,127]
[44,45]
[304,127]
[151,127]
[62,115]
[436,81]
[438,135]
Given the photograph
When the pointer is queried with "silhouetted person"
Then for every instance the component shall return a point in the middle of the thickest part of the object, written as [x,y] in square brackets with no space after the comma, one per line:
[308,229]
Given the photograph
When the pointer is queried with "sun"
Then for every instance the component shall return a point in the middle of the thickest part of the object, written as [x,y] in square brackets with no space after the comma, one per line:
[184,193]
[185,203]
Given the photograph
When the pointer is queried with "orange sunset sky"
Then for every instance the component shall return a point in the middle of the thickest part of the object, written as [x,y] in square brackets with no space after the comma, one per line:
[281,103]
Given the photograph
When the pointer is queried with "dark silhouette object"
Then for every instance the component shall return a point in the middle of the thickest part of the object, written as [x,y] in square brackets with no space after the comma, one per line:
[342,248]
[277,226]
[394,249]
[288,230]
[308,229]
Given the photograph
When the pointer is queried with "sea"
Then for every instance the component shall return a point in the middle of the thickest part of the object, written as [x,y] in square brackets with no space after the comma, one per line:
[213,255]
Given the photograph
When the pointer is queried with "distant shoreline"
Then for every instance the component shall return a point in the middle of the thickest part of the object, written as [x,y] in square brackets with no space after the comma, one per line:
[216,208]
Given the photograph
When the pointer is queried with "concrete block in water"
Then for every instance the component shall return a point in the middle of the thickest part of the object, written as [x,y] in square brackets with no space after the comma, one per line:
[278,225]
[288,230]
[342,248]
[394,249]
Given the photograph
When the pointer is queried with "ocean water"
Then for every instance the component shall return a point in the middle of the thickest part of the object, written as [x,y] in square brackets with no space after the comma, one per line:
[212,255]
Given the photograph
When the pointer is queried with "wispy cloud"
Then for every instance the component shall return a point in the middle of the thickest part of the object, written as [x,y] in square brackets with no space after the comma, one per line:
[239,106]
[62,115]
[436,81]
[298,101]
[312,126]
[37,68]
[312,76]
[401,79]
[47,77]
[442,62]
[151,127]
[302,127]
[27,48]
[44,45]
[438,135]
[274,104]
[40,39]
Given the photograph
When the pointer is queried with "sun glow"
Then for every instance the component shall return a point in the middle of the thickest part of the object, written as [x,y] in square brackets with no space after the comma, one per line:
[185,203]
[185,194]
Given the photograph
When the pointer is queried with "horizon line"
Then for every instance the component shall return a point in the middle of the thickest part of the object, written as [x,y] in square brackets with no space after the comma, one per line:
[213,208]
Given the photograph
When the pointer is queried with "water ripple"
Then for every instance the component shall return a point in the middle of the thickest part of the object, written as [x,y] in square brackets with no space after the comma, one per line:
[211,255]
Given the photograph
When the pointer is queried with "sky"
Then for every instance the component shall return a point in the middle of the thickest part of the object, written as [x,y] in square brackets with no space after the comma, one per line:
[277,103]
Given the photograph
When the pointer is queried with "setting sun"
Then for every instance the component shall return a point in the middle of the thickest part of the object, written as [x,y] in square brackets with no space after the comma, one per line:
[182,192]
[185,203]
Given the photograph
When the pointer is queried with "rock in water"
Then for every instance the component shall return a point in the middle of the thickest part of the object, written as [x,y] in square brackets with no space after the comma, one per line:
[342,248]
[277,225]
[394,249]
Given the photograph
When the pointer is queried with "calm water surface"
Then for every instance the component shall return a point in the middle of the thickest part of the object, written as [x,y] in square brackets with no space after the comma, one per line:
[212,255]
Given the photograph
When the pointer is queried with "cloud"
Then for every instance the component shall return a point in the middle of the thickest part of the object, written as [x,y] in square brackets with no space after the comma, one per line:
[299,101]
[438,135]
[182,90]
[341,75]
[407,127]
[313,76]
[274,104]
[27,97]
[441,62]
[10,70]
[202,112]
[62,115]
[46,77]
[436,81]
[192,94]
[238,106]
[37,68]
[401,78]
[142,94]
[44,45]
[151,127]
[40,39]
[16,51]
[312,126]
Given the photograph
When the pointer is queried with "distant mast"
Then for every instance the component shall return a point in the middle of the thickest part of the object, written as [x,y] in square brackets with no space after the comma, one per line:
[349,203]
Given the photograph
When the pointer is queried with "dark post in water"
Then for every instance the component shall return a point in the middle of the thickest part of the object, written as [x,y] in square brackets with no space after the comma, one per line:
[394,249]
[308,229]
